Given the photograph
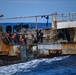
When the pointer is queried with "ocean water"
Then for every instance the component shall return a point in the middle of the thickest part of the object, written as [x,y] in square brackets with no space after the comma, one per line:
[40,25]
[63,65]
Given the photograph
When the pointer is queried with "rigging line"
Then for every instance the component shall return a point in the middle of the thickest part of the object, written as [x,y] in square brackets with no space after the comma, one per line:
[30,16]
[24,17]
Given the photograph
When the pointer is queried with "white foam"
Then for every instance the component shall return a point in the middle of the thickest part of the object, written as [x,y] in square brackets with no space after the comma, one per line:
[12,69]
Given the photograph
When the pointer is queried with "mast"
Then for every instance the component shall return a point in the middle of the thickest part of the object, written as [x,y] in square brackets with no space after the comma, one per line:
[36,23]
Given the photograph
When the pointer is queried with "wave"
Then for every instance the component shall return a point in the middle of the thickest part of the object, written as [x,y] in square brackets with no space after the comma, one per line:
[27,66]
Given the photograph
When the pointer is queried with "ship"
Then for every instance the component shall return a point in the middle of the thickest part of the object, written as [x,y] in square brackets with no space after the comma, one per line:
[58,40]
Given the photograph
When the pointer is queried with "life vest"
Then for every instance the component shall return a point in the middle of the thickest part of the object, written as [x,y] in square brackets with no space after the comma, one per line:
[14,35]
[22,40]
[7,35]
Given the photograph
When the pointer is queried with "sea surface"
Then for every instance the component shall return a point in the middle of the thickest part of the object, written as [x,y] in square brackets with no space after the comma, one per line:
[63,65]
[39,25]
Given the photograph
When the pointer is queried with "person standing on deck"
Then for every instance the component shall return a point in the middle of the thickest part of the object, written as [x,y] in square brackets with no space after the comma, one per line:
[41,36]
[15,41]
[23,40]
[38,35]
[34,39]
[7,36]
[16,37]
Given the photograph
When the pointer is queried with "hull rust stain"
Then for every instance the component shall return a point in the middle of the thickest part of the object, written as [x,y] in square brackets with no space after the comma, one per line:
[69,48]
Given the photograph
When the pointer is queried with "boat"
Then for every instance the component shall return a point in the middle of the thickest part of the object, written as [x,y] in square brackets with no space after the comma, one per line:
[58,40]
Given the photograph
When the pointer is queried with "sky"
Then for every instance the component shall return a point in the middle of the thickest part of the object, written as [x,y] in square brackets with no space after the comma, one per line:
[21,8]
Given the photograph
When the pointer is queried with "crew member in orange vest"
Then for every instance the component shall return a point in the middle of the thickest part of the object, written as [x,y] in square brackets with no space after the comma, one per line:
[7,36]
[15,40]
[15,35]
[22,40]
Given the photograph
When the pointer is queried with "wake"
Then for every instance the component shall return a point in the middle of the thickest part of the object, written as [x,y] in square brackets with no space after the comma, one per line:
[27,66]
